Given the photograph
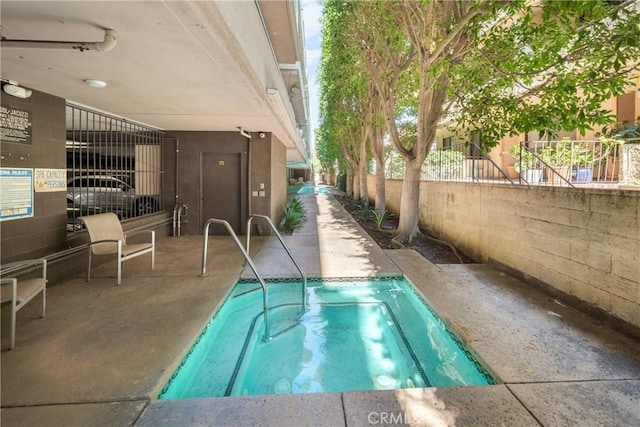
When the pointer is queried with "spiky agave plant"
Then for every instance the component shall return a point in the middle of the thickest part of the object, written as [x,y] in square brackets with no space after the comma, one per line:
[293,216]
[380,217]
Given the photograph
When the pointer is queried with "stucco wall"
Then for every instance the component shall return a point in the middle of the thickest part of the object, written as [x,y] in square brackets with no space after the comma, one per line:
[278,179]
[260,175]
[268,167]
[584,243]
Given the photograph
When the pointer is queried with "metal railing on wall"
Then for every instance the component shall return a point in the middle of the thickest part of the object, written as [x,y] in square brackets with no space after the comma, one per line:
[555,163]
[566,162]
[464,163]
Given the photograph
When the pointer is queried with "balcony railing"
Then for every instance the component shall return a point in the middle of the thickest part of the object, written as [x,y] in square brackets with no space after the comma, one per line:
[555,163]
[566,162]
[462,162]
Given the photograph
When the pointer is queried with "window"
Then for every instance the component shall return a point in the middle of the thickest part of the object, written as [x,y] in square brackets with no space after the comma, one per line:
[113,165]
[447,143]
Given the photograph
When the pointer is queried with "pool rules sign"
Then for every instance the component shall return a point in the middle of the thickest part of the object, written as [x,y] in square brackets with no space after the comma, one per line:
[16,191]
[17,186]
[15,125]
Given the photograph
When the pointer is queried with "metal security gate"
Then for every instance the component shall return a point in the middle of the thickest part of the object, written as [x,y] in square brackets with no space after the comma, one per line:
[113,165]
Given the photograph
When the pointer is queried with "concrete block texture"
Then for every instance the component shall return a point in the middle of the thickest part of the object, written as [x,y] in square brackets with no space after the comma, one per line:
[584,242]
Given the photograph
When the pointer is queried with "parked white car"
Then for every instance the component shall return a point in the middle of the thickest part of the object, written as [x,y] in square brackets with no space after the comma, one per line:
[93,194]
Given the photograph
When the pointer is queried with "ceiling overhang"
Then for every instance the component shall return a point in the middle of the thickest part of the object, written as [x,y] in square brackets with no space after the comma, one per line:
[175,65]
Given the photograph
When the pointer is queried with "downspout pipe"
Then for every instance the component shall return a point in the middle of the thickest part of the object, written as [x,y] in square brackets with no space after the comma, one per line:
[110,38]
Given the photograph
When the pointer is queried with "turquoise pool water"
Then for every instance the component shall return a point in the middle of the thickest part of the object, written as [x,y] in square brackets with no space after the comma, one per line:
[354,335]
[310,189]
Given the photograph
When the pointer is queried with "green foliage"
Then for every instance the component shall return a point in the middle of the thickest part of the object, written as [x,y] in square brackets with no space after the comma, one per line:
[630,132]
[380,217]
[294,215]
[340,87]
[609,145]
[550,71]
[393,163]
[565,153]
[408,131]
[443,164]
[361,211]
[525,159]
[623,130]
[342,182]
[506,67]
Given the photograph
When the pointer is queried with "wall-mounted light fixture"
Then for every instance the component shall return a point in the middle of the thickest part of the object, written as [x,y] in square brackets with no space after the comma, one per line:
[12,88]
[262,135]
[99,84]
[244,132]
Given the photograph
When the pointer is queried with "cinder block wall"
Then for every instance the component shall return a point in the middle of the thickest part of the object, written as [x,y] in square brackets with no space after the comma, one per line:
[583,243]
[46,231]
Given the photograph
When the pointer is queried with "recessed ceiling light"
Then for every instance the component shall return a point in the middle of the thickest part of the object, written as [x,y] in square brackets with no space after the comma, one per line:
[96,83]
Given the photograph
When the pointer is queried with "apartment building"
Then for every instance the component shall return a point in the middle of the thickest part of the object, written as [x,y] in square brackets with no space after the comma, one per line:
[144,109]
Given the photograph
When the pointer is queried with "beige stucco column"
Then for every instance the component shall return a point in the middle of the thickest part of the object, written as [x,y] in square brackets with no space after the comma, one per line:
[630,165]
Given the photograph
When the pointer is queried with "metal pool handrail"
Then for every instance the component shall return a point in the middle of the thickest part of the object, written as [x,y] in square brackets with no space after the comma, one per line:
[265,292]
[273,227]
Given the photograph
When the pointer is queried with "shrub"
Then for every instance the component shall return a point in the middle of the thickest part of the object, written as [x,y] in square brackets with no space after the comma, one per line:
[380,217]
[443,164]
[294,215]
[342,182]
[361,211]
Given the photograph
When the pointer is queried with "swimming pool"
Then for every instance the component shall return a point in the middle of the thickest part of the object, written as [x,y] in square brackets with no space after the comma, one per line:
[310,189]
[354,335]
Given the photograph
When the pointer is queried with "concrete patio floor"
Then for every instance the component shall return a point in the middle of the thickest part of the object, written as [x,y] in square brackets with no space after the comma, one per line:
[103,352]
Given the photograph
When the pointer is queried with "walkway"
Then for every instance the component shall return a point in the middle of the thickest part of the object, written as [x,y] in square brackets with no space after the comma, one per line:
[103,352]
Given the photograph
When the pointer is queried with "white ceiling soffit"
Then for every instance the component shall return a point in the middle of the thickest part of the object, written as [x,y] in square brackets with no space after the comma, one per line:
[176,65]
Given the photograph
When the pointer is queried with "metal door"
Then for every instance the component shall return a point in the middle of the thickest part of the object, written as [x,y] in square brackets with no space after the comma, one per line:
[221,190]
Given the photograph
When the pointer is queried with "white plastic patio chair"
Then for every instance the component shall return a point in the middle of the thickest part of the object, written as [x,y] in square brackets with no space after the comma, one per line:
[107,238]
[20,292]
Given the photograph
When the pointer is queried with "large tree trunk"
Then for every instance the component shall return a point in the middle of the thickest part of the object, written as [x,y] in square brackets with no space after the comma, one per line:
[430,100]
[364,191]
[364,187]
[380,188]
[356,185]
[377,148]
[350,182]
[408,228]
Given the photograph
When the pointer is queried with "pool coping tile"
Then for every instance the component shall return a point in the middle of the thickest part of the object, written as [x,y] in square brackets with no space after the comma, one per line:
[99,414]
[314,410]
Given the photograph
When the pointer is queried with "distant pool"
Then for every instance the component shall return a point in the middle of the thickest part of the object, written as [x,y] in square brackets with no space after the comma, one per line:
[310,189]
[355,335]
